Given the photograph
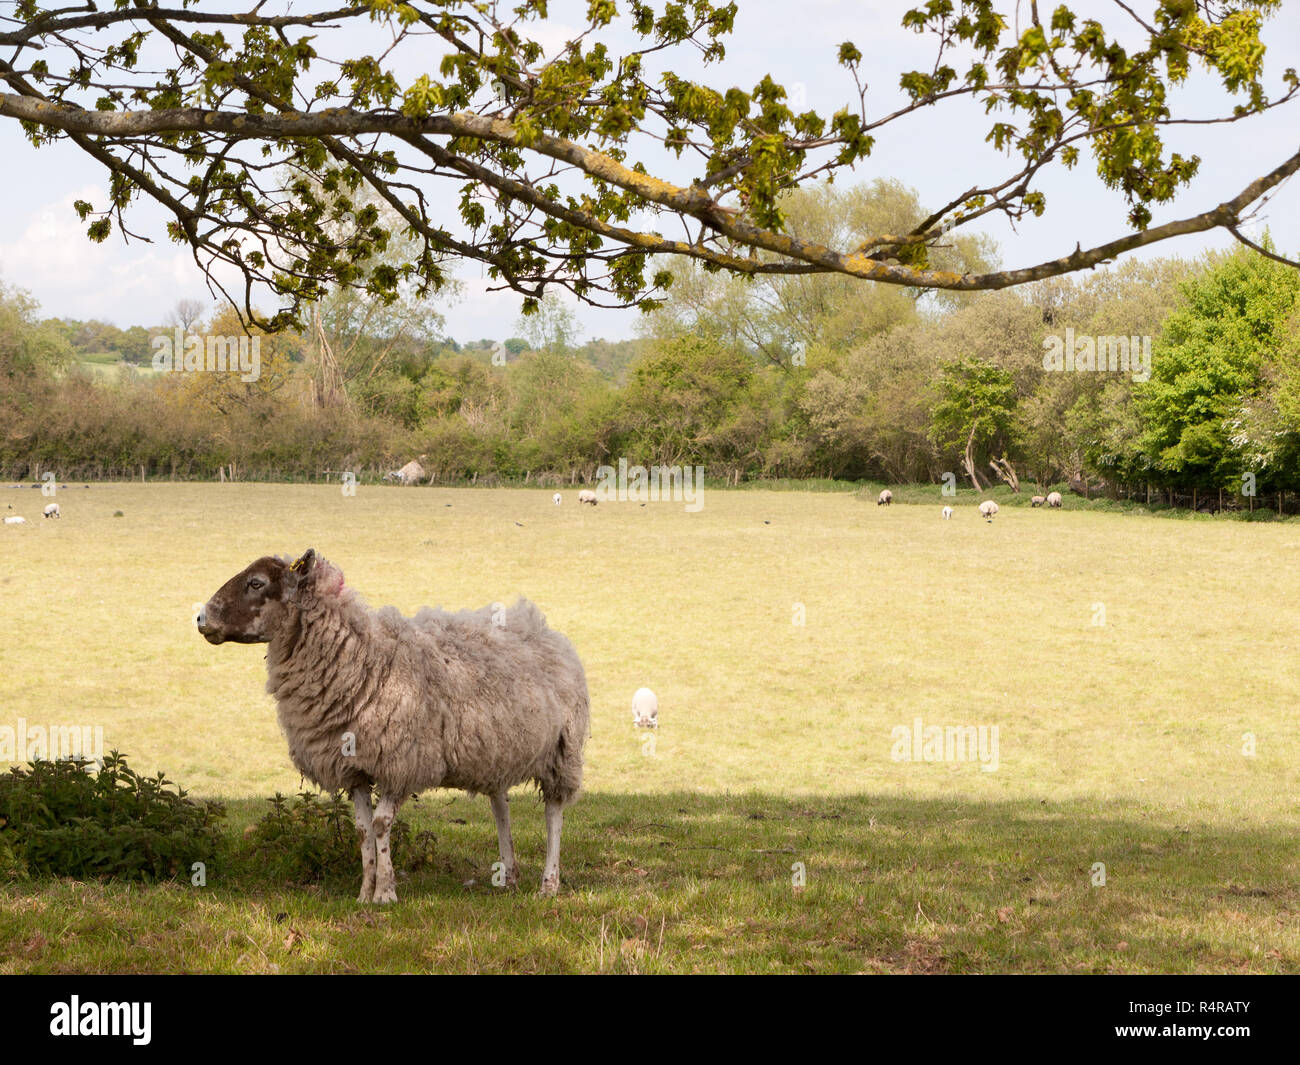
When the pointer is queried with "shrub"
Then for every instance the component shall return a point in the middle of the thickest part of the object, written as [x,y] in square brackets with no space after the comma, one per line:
[311,838]
[60,819]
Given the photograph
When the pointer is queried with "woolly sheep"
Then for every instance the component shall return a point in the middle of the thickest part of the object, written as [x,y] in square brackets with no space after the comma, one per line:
[886,497]
[16,520]
[478,700]
[947,513]
[1053,499]
[52,510]
[556,499]
[645,708]
[1037,501]
[411,473]
[587,496]
[987,509]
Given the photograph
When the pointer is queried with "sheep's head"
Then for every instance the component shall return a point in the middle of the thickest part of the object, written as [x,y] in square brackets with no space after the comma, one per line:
[249,607]
[255,604]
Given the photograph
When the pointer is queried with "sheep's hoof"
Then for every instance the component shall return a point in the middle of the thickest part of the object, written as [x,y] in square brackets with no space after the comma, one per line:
[387,895]
[550,887]
[366,896]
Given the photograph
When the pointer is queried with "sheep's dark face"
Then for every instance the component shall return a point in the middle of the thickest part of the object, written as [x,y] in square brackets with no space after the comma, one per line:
[249,607]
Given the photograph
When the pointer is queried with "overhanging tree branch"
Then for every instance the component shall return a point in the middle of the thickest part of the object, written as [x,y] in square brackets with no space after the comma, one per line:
[257,144]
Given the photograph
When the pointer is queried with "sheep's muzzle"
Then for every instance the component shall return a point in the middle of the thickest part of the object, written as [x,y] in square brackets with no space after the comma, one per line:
[215,633]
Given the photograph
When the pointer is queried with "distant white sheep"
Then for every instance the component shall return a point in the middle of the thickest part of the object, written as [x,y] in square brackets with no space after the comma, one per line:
[645,708]
[987,509]
[1037,501]
[587,496]
[1053,499]
[556,499]
[15,520]
[947,513]
[886,497]
[52,510]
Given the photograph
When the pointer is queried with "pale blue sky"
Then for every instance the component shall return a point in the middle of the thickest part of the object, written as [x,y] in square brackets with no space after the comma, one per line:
[43,247]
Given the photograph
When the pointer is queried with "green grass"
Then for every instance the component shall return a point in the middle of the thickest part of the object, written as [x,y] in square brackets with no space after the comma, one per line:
[109,364]
[1118,743]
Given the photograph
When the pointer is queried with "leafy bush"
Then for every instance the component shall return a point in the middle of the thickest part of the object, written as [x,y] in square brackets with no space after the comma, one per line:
[312,837]
[59,819]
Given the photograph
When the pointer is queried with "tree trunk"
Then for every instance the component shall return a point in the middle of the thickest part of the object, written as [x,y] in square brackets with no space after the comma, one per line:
[968,459]
[1003,468]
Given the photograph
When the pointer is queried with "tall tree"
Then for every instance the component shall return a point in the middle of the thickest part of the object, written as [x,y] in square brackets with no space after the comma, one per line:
[780,318]
[1205,411]
[976,412]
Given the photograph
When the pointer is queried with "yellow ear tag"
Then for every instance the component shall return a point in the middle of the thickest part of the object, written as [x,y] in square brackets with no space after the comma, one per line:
[296,566]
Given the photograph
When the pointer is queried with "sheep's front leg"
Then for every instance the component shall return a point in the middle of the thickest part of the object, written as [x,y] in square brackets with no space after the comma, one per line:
[551,874]
[385,880]
[364,816]
[501,811]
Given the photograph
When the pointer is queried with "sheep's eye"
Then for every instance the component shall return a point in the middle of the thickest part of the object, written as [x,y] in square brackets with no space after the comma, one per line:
[256,583]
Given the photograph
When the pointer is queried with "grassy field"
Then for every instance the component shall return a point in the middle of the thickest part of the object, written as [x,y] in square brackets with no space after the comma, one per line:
[1125,661]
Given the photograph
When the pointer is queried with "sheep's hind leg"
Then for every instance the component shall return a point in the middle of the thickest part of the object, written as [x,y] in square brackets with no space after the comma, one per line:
[501,812]
[385,880]
[551,874]
[364,816]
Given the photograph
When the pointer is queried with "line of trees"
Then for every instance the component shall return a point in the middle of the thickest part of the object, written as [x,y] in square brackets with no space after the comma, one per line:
[784,376]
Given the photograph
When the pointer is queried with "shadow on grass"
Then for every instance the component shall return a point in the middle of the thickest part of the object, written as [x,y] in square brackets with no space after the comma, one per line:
[682,882]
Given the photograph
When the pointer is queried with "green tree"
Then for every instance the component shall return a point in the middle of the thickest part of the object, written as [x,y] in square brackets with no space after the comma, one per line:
[550,325]
[1206,403]
[778,318]
[976,412]
[682,397]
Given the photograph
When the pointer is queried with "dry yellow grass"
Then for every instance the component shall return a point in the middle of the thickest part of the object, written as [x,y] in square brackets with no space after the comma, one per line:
[904,616]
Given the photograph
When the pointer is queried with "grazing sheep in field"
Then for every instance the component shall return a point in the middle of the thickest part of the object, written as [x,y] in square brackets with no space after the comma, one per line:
[947,513]
[16,520]
[1053,499]
[556,499]
[886,497]
[587,496]
[645,708]
[52,510]
[987,509]
[1037,501]
[411,473]
[478,700]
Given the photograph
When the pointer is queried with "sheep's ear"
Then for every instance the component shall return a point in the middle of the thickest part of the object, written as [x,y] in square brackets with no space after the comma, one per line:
[304,569]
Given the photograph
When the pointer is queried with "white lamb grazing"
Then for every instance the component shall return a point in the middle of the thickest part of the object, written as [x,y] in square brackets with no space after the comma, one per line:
[556,499]
[587,496]
[947,513]
[52,510]
[885,499]
[645,708]
[987,509]
[1053,499]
